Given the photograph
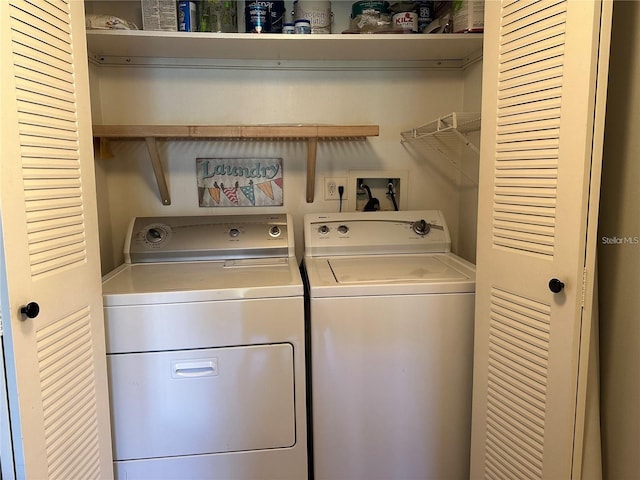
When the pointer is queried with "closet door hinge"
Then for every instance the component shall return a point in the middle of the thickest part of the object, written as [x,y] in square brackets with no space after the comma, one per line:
[584,286]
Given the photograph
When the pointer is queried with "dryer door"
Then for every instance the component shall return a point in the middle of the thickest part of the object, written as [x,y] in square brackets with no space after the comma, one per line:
[202,401]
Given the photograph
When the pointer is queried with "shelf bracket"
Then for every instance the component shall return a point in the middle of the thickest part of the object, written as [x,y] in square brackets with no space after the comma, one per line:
[105,148]
[312,147]
[158,169]
[465,141]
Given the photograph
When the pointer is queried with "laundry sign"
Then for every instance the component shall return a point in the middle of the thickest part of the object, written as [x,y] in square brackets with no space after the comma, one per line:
[239,182]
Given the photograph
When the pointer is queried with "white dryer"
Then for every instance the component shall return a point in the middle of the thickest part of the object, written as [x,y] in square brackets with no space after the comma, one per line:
[391,346]
[205,350]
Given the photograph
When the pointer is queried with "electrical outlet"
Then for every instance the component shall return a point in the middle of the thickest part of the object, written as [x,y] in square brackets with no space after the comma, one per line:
[331,185]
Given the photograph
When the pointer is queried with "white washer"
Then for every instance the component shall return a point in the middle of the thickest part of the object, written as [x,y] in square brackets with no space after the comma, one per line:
[391,347]
[205,350]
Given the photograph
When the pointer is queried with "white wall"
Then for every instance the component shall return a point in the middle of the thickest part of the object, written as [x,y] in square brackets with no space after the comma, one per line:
[395,99]
[619,264]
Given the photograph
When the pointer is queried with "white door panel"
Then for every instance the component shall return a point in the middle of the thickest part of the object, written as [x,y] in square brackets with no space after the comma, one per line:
[56,364]
[207,401]
[391,386]
[540,65]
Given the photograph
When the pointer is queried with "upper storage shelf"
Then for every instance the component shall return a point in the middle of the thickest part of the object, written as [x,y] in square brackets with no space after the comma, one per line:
[127,46]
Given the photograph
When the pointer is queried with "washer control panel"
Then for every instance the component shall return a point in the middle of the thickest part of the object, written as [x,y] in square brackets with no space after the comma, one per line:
[220,237]
[382,232]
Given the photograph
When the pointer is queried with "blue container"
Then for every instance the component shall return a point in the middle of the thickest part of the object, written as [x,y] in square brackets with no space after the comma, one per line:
[277,16]
[187,17]
[257,18]
[275,11]
[426,14]
[288,28]
[302,26]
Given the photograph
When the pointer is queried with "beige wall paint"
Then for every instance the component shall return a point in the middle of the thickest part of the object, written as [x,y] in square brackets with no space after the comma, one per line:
[468,187]
[396,99]
[104,216]
[619,264]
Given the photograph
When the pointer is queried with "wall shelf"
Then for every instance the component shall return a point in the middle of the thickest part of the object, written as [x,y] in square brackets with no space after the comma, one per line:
[446,134]
[310,134]
[134,46]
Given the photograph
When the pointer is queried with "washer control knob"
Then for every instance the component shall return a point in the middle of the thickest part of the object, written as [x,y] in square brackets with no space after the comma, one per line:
[343,229]
[234,232]
[275,231]
[155,235]
[421,227]
[323,229]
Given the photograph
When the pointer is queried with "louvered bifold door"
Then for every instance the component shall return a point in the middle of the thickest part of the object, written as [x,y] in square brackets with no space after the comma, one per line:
[539,88]
[57,366]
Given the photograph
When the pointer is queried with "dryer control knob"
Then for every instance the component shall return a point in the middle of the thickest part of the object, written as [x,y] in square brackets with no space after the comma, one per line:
[343,229]
[275,231]
[421,227]
[323,229]
[234,232]
[155,235]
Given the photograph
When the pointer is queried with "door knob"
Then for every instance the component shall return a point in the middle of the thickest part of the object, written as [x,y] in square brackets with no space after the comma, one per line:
[555,285]
[31,310]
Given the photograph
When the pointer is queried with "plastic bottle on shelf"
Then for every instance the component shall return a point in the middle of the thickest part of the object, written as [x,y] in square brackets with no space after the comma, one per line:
[218,16]
[303,26]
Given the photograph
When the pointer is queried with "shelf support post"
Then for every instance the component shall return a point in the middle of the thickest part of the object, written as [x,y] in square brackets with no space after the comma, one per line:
[312,145]
[158,169]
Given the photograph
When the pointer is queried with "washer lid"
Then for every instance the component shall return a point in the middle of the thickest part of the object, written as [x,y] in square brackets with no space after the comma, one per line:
[171,282]
[406,268]
[347,276]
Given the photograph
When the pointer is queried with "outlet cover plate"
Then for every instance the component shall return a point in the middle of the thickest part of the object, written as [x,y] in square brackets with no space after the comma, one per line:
[331,185]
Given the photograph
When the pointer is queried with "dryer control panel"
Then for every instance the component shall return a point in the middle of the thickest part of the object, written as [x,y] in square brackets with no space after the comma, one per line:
[219,237]
[380,232]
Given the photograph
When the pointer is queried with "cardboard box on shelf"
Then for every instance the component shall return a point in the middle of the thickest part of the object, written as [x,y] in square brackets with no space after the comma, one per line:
[159,15]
